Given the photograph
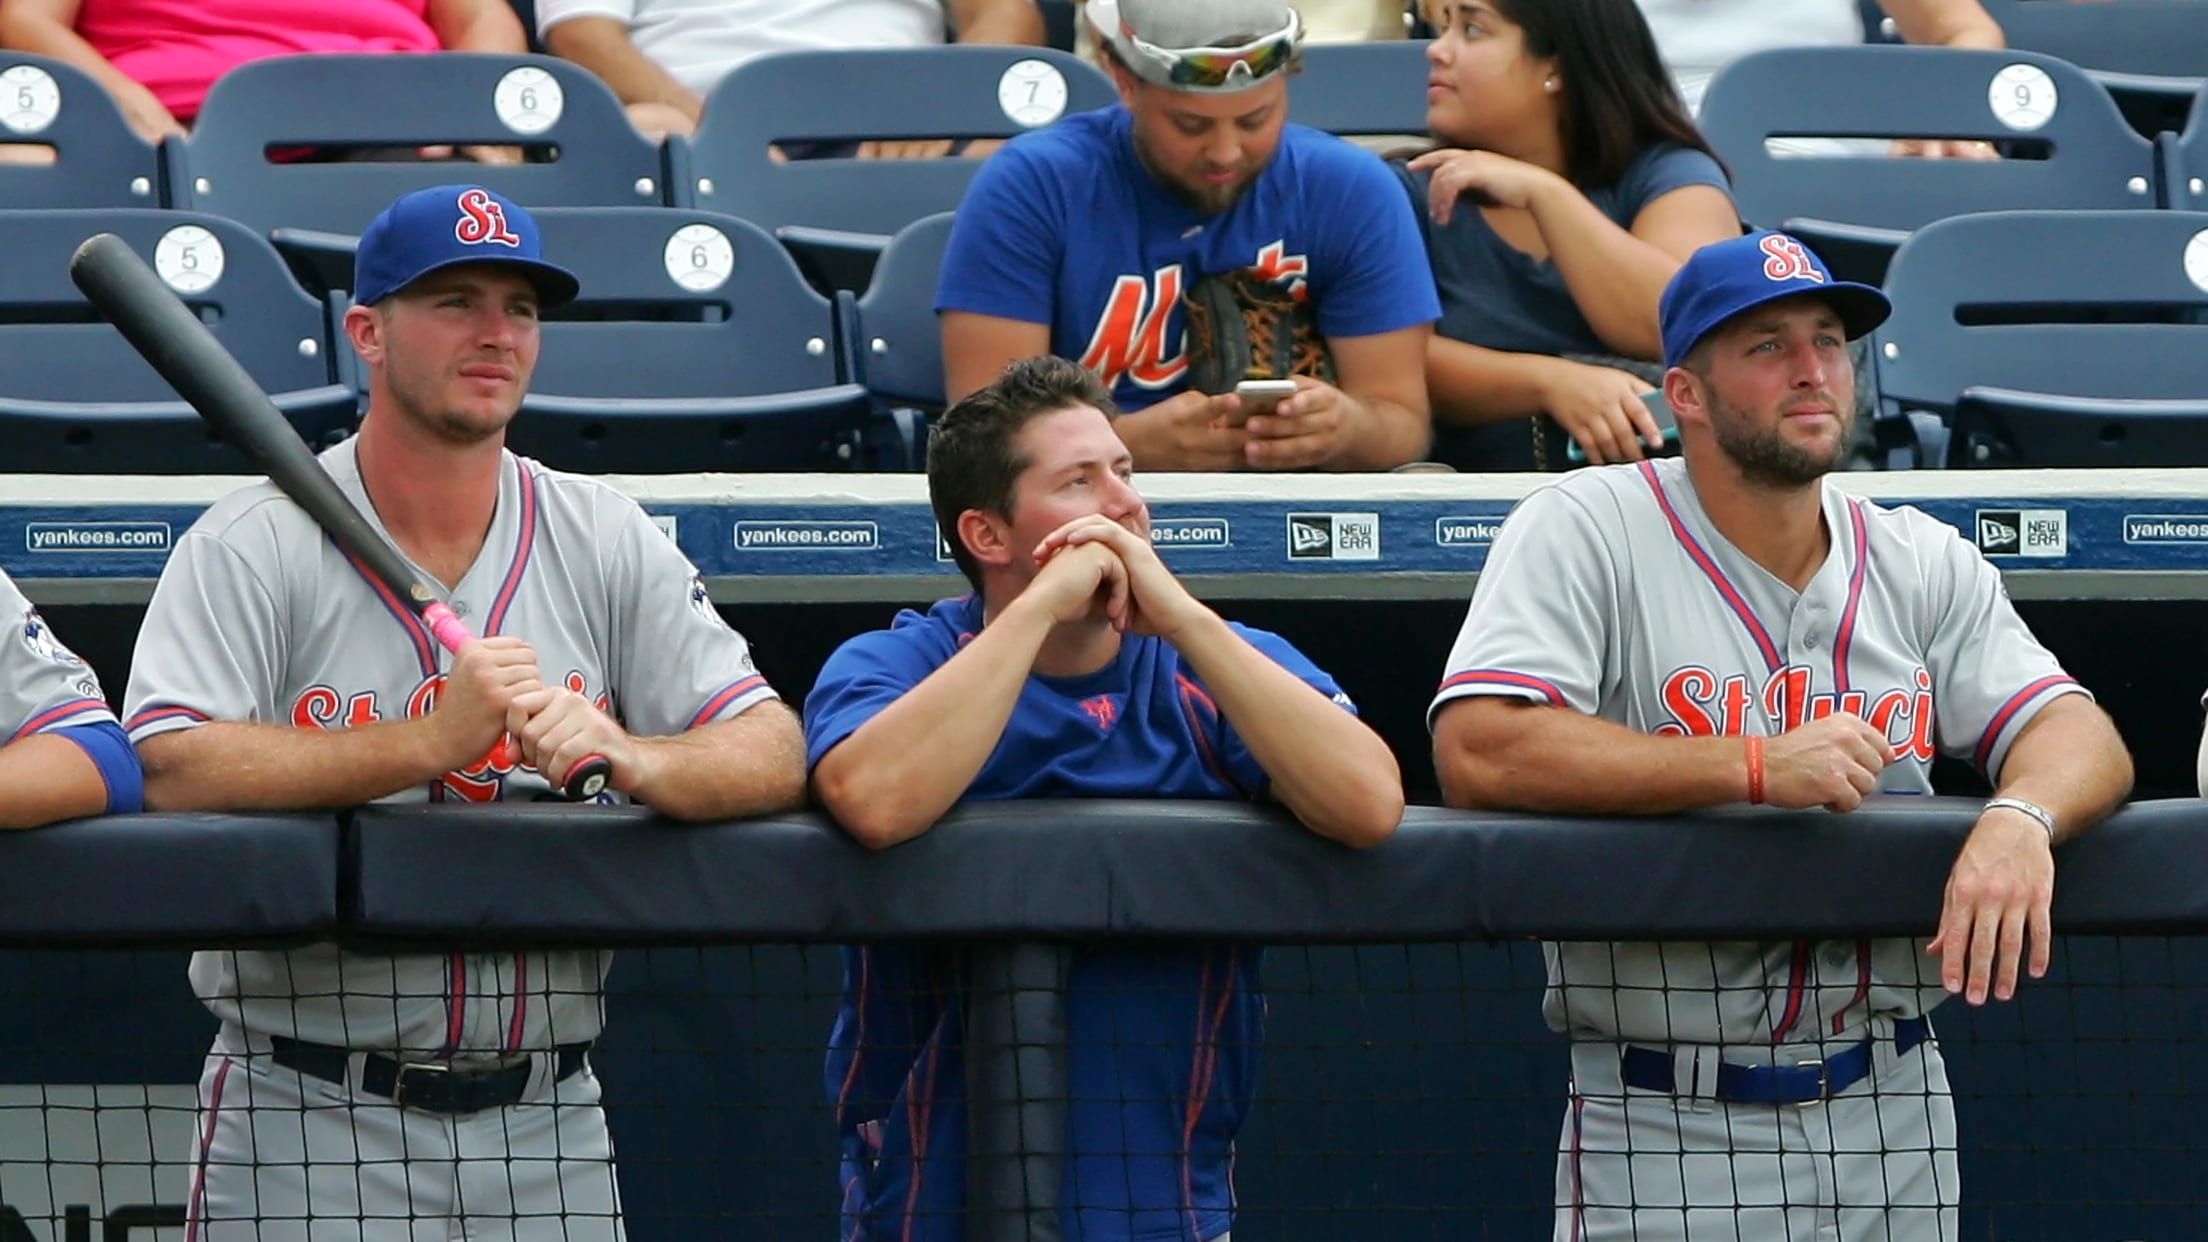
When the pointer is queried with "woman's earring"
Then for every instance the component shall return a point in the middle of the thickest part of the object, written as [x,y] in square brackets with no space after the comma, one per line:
[1550,84]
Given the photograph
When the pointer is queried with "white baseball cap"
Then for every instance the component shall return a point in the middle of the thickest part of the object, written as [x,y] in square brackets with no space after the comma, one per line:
[1212,46]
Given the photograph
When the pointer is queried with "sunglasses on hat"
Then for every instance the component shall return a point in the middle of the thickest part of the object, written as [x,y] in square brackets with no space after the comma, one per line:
[1211,68]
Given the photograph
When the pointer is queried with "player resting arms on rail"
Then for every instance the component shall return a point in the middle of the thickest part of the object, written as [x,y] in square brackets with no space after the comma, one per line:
[450,1093]
[1730,627]
[1079,667]
[62,754]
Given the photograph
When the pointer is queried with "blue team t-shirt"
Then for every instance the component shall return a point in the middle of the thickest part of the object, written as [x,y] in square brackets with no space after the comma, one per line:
[1066,227]
[1162,1041]
[1497,296]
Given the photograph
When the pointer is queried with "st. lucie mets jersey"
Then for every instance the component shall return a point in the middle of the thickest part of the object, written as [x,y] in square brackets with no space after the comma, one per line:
[260,617]
[1610,592]
[1066,227]
[43,685]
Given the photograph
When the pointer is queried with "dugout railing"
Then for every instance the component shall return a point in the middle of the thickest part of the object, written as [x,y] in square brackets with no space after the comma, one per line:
[1407,1090]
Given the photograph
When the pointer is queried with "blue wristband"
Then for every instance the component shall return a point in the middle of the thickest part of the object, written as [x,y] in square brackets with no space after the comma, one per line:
[112,753]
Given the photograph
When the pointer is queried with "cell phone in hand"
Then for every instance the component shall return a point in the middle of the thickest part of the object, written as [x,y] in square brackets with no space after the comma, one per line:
[1260,396]
[1654,400]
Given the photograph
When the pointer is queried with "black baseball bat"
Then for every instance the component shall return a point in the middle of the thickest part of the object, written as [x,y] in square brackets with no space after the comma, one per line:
[170,337]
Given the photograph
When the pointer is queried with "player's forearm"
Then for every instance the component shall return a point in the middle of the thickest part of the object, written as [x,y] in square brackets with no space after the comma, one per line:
[2071,761]
[730,769]
[1326,765]
[1495,754]
[601,45]
[48,778]
[1390,431]
[900,771]
[1471,386]
[239,766]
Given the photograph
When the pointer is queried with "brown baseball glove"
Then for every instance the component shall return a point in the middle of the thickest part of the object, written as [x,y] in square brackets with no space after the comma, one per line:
[1241,326]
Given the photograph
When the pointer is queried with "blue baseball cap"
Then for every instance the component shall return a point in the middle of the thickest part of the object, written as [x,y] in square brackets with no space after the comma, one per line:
[447,225]
[1725,278]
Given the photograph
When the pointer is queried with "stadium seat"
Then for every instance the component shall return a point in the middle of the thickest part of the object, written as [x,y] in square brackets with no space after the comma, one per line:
[545,105]
[99,161]
[837,214]
[75,398]
[896,342]
[1357,89]
[696,346]
[2184,160]
[2070,147]
[2051,338]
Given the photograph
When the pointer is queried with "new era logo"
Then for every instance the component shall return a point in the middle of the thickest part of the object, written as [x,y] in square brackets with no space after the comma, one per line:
[1334,536]
[2039,533]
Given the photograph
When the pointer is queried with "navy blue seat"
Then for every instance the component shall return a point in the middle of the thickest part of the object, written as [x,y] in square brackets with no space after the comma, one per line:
[2184,157]
[2050,338]
[1355,89]
[99,161]
[76,398]
[371,102]
[838,214]
[896,341]
[696,346]
[1854,209]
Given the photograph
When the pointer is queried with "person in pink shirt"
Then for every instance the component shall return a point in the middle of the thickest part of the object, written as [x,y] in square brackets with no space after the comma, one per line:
[158,57]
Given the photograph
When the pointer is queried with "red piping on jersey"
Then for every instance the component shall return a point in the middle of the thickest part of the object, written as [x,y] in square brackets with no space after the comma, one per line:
[1201,1073]
[522,545]
[195,1209]
[55,715]
[722,698]
[1843,641]
[521,1003]
[425,647]
[1195,704]
[456,1008]
[152,714]
[2011,708]
[1503,677]
[1794,976]
[918,1105]
[1716,575]
[858,1045]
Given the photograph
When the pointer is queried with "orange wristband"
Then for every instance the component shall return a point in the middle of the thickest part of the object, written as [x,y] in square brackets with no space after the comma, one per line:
[1755,767]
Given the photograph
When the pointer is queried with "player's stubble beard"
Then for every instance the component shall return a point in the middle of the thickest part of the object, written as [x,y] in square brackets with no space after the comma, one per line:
[1766,457]
[419,401]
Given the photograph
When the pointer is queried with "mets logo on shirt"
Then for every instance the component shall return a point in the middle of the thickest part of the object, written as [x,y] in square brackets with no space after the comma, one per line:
[42,642]
[1129,340]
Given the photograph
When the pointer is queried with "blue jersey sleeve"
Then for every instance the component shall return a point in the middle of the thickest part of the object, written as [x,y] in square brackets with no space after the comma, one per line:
[865,675]
[1002,258]
[1376,277]
[1233,750]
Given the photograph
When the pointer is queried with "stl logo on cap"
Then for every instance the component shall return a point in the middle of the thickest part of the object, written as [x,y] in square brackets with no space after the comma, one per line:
[483,221]
[1788,261]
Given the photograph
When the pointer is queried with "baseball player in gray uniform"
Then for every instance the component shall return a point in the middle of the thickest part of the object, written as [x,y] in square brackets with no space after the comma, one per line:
[62,755]
[1727,627]
[432,1096]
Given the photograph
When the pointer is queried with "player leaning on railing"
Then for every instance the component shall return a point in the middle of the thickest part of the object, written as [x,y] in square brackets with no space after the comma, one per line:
[1728,627]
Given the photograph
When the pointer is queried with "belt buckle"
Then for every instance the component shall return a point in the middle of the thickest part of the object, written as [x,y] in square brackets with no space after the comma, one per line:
[1824,1084]
[435,1070]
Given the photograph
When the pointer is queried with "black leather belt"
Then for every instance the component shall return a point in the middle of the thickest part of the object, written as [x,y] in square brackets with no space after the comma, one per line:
[430,1086]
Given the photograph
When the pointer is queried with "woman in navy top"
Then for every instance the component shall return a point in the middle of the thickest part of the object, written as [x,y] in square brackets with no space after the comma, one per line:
[1567,185]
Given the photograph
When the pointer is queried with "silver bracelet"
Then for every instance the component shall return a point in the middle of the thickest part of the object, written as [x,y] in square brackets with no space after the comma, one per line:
[2045,817]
